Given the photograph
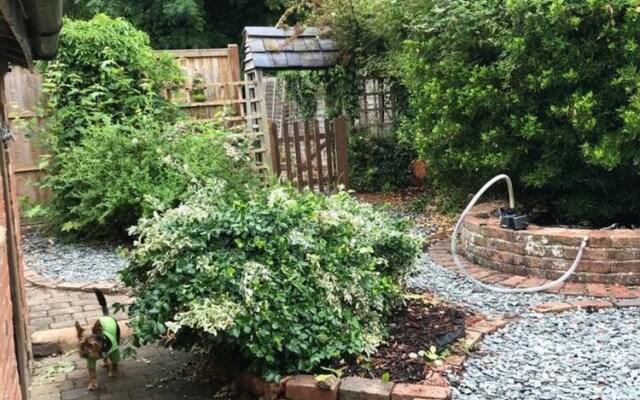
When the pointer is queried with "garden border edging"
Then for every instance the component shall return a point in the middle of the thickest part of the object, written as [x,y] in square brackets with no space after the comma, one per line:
[39,280]
[303,387]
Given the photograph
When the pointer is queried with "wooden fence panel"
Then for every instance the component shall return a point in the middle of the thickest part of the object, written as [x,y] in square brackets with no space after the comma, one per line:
[212,83]
[313,159]
[23,91]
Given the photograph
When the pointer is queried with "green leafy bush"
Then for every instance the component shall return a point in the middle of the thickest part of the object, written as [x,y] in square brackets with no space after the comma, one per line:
[379,163]
[544,90]
[103,67]
[547,91]
[120,172]
[286,279]
[109,136]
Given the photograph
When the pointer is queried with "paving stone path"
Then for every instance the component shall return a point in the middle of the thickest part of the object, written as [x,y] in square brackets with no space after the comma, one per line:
[55,309]
[65,377]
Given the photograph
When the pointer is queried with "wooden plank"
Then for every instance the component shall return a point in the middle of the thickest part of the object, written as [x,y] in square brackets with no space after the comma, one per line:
[287,146]
[316,135]
[329,144]
[275,150]
[307,151]
[211,103]
[200,53]
[321,136]
[216,85]
[342,149]
[27,170]
[296,140]
[21,115]
[234,62]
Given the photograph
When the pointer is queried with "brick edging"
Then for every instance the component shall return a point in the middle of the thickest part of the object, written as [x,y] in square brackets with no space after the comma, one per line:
[434,387]
[589,305]
[440,253]
[39,280]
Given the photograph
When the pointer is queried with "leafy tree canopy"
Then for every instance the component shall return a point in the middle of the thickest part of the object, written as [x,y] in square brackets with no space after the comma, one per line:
[185,23]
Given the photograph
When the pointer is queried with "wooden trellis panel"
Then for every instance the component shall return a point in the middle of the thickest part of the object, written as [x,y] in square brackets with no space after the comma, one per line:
[311,154]
[377,106]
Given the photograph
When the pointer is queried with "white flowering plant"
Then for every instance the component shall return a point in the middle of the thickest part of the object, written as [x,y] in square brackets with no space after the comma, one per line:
[287,279]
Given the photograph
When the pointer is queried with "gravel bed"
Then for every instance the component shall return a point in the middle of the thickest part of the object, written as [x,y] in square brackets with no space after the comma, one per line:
[568,356]
[447,284]
[71,262]
[575,355]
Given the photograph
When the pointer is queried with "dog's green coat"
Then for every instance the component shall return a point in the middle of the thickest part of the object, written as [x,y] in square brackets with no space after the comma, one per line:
[109,330]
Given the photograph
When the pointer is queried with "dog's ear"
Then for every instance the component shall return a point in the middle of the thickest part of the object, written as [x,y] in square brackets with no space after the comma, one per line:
[79,330]
[97,328]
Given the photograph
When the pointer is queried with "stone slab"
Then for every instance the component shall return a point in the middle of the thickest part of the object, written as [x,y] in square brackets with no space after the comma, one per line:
[354,388]
[405,391]
[303,387]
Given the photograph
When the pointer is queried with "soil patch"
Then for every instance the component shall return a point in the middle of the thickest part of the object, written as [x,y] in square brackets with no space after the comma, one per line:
[414,329]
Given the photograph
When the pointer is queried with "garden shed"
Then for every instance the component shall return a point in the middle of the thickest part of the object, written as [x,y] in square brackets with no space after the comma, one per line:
[312,153]
[268,50]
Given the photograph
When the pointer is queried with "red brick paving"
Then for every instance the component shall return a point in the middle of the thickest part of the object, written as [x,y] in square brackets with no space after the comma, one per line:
[66,378]
[621,292]
[513,281]
[54,309]
[597,290]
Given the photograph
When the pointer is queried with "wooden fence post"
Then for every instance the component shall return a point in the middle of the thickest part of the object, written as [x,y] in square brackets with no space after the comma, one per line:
[275,148]
[328,133]
[234,74]
[298,164]
[342,151]
[316,137]
[307,155]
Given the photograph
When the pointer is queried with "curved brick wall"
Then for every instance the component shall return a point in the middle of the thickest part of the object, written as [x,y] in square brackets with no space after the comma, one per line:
[610,257]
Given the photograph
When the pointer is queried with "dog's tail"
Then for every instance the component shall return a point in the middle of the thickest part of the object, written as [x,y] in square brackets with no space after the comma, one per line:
[102,301]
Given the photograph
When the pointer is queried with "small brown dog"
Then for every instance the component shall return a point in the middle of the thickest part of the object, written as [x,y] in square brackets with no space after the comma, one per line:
[103,342]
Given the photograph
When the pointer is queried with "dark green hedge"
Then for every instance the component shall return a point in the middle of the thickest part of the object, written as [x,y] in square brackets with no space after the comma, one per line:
[543,90]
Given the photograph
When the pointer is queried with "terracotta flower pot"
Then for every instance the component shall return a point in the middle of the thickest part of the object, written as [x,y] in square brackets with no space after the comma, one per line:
[419,171]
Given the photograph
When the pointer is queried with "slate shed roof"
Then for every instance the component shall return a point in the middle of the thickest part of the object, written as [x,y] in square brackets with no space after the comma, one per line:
[275,48]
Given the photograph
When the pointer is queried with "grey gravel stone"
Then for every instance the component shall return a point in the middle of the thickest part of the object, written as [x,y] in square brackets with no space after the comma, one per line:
[574,355]
[71,262]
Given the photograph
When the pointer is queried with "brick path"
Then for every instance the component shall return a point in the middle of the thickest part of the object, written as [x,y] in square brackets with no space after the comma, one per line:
[140,379]
[440,254]
[54,309]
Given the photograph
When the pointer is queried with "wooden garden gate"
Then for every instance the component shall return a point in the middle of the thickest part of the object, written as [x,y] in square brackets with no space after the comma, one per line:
[311,154]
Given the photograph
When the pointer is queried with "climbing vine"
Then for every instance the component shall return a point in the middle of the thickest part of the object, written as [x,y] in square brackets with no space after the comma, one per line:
[302,87]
